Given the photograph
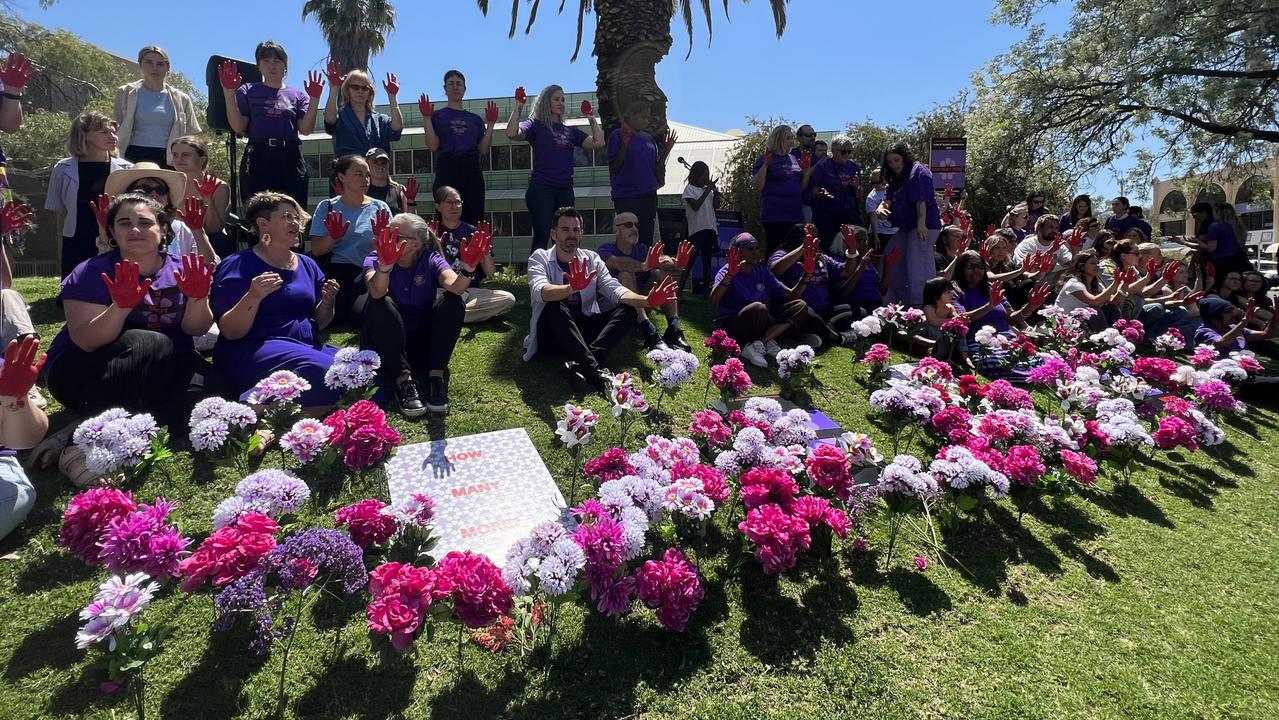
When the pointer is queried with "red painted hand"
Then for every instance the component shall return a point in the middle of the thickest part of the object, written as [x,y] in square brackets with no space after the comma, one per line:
[475,249]
[391,85]
[99,208]
[193,212]
[850,239]
[1194,297]
[663,293]
[577,277]
[490,112]
[587,110]
[654,259]
[1171,270]
[996,294]
[1049,261]
[805,160]
[21,368]
[126,291]
[424,106]
[17,72]
[314,85]
[990,229]
[206,185]
[734,261]
[410,189]
[624,134]
[1031,262]
[196,277]
[334,225]
[809,261]
[684,254]
[334,73]
[381,221]
[16,217]
[388,246]
[521,97]
[229,75]
[1040,294]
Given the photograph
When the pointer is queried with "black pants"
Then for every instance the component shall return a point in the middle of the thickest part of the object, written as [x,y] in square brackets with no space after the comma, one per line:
[278,168]
[141,153]
[585,339]
[705,247]
[140,371]
[463,174]
[775,234]
[79,248]
[828,222]
[427,347]
[350,286]
[645,209]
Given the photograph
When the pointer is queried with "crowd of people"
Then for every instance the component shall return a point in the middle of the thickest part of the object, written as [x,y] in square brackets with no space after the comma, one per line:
[164,307]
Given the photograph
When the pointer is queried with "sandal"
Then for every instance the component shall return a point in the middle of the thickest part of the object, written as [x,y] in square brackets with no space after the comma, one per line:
[71,463]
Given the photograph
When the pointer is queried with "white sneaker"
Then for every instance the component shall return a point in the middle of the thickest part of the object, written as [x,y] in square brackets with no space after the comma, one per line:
[771,348]
[754,354]
[811,340]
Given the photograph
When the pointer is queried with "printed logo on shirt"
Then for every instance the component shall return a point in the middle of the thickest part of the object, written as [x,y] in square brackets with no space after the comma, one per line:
[459,127]
[562,136]
[162,308]
[759,287]
[419,280]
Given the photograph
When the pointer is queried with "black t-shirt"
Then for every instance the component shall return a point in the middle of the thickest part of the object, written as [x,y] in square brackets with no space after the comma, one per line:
[93,182]
[384,194]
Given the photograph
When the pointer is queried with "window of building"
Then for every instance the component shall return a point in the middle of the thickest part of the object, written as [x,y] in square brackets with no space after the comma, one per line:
[326,165]
[1255,203]
[1173,227]
[522,223]
[313,164]
[501,156]
[486,161]
[421,161]
[501,224]
[402,162]
[1173,202]
[521,157]
[1211,194]
[604,221]
[601,157]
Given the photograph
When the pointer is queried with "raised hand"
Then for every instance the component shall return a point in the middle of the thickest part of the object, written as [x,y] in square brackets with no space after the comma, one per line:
[16,217]
[1039,295]
[663,293]
[435,228]
[391,85]
[381,221]
[670,140]
[684,254]
[1194,297]
[1250,311]
[1076,241]
[195,278]
[996,294]
[1170,272]
[389,247]
[1152,267]
[654,259]
[624,134]
[99,208]
[490,112]
[475,249]
[1048,263]
[424,106]
[734,260]
[805,160]
[206,185]
[334,225]
[410,189]
[229,75]
[1030,263]
[1130,274]
[125,290]
[809,261]
[950,190]
[334,72]
[17,72]
[1210,270]
[577,277]
[193,212]
[587,110]
[521,97]
[850,239]
[314,85]
[985,253]
[990,229]
[485,227]
[18,375]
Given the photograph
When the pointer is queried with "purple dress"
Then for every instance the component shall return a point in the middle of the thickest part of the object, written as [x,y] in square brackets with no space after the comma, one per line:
[915,266]
[284,335]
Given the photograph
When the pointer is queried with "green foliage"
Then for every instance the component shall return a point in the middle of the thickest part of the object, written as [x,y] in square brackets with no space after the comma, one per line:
[354,29]
[736,184]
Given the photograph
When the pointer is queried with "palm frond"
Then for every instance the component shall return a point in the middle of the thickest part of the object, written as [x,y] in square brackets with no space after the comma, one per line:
[582,9]
[532,15]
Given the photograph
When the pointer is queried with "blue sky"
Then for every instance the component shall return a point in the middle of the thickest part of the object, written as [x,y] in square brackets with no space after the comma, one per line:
[814,73]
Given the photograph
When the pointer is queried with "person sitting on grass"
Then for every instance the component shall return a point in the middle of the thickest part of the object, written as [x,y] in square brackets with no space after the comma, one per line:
[414,313]
[830,280]
[452,232]
[637,267]
[1225,327]
[746,296]
[23,424]
[571,291]
[988,304]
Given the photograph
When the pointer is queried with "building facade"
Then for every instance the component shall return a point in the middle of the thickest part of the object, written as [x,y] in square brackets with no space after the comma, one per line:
[1251,193]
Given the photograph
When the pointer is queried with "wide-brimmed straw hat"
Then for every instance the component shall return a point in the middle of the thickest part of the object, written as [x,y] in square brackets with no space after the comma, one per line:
[119,181]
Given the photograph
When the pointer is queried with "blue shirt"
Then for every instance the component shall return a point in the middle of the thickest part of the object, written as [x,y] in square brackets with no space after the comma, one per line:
[153,119]
[351,137]
[357,243]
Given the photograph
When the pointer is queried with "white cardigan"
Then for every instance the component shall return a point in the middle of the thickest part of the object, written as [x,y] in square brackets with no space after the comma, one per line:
[543,270]
[185,121]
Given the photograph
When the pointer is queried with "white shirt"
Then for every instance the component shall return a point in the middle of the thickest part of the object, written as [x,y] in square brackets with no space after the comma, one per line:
[704,217]
[1066,298]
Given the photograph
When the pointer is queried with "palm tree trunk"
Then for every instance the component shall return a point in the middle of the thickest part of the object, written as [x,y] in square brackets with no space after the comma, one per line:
[631,37]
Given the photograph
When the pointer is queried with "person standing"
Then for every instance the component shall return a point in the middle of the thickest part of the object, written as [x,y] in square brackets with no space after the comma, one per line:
[272,118]
[912,205]
[151,114]
[78,181]
[636,161]
[701,199]
[835,188]
[1217,240]
[459,138]
[779,176]
[351,115]
[550,184]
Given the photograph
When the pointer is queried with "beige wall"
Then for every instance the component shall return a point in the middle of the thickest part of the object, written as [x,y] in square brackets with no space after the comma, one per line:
[1229,180]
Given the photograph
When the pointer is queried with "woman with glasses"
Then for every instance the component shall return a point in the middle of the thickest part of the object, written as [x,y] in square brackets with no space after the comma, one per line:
[132,314]
[835,188]
[271,304]
[459,138]
[912,204]
[343,229]
[272,118]
[356,126]
[452,233]
[779,177]
[1036,206]
[149,180]
[77,181]
[151,113]
[550,184]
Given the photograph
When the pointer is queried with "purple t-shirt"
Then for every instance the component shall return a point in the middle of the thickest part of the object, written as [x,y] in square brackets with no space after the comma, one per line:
[817,294]
[638,176]
[838,180]
[552,151]
[779,201]
[285,313]
[574,299]
[751,284]
[996,317]
[459,131]
[1227,243]
[413,288]
[866,286]
[161,310]
[451,248]
[639,252]
[1208,335]
[271,113]
[918,186]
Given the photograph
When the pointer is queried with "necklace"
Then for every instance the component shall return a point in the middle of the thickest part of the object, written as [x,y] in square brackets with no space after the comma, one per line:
[289,264]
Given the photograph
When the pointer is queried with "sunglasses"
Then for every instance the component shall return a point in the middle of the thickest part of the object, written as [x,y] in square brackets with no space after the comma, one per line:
[151,189]
[807,134]
[629,224]
[362,88]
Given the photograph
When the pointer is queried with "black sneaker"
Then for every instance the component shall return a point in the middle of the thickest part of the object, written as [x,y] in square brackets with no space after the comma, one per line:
[406,397]
[600,380]
[675,338]
[573,376]
[437,397]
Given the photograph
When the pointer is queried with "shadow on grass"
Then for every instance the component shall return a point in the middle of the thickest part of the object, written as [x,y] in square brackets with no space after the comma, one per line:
[986,545]
[1188,482]
[51,570]
[213,687]
[1093,565]
[780,628]
[52,646]
[78,697]
[350,687]
[1127,501]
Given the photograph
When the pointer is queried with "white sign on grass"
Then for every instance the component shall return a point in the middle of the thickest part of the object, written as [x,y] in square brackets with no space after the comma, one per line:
[489,489]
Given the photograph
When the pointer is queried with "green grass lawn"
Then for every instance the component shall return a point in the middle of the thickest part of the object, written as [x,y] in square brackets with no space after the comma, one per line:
[1154,600]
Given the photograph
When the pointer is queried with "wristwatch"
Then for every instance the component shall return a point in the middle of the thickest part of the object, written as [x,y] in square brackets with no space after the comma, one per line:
[467,273]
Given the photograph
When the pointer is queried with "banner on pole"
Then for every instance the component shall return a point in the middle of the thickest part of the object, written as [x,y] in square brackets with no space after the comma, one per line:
[946,159]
